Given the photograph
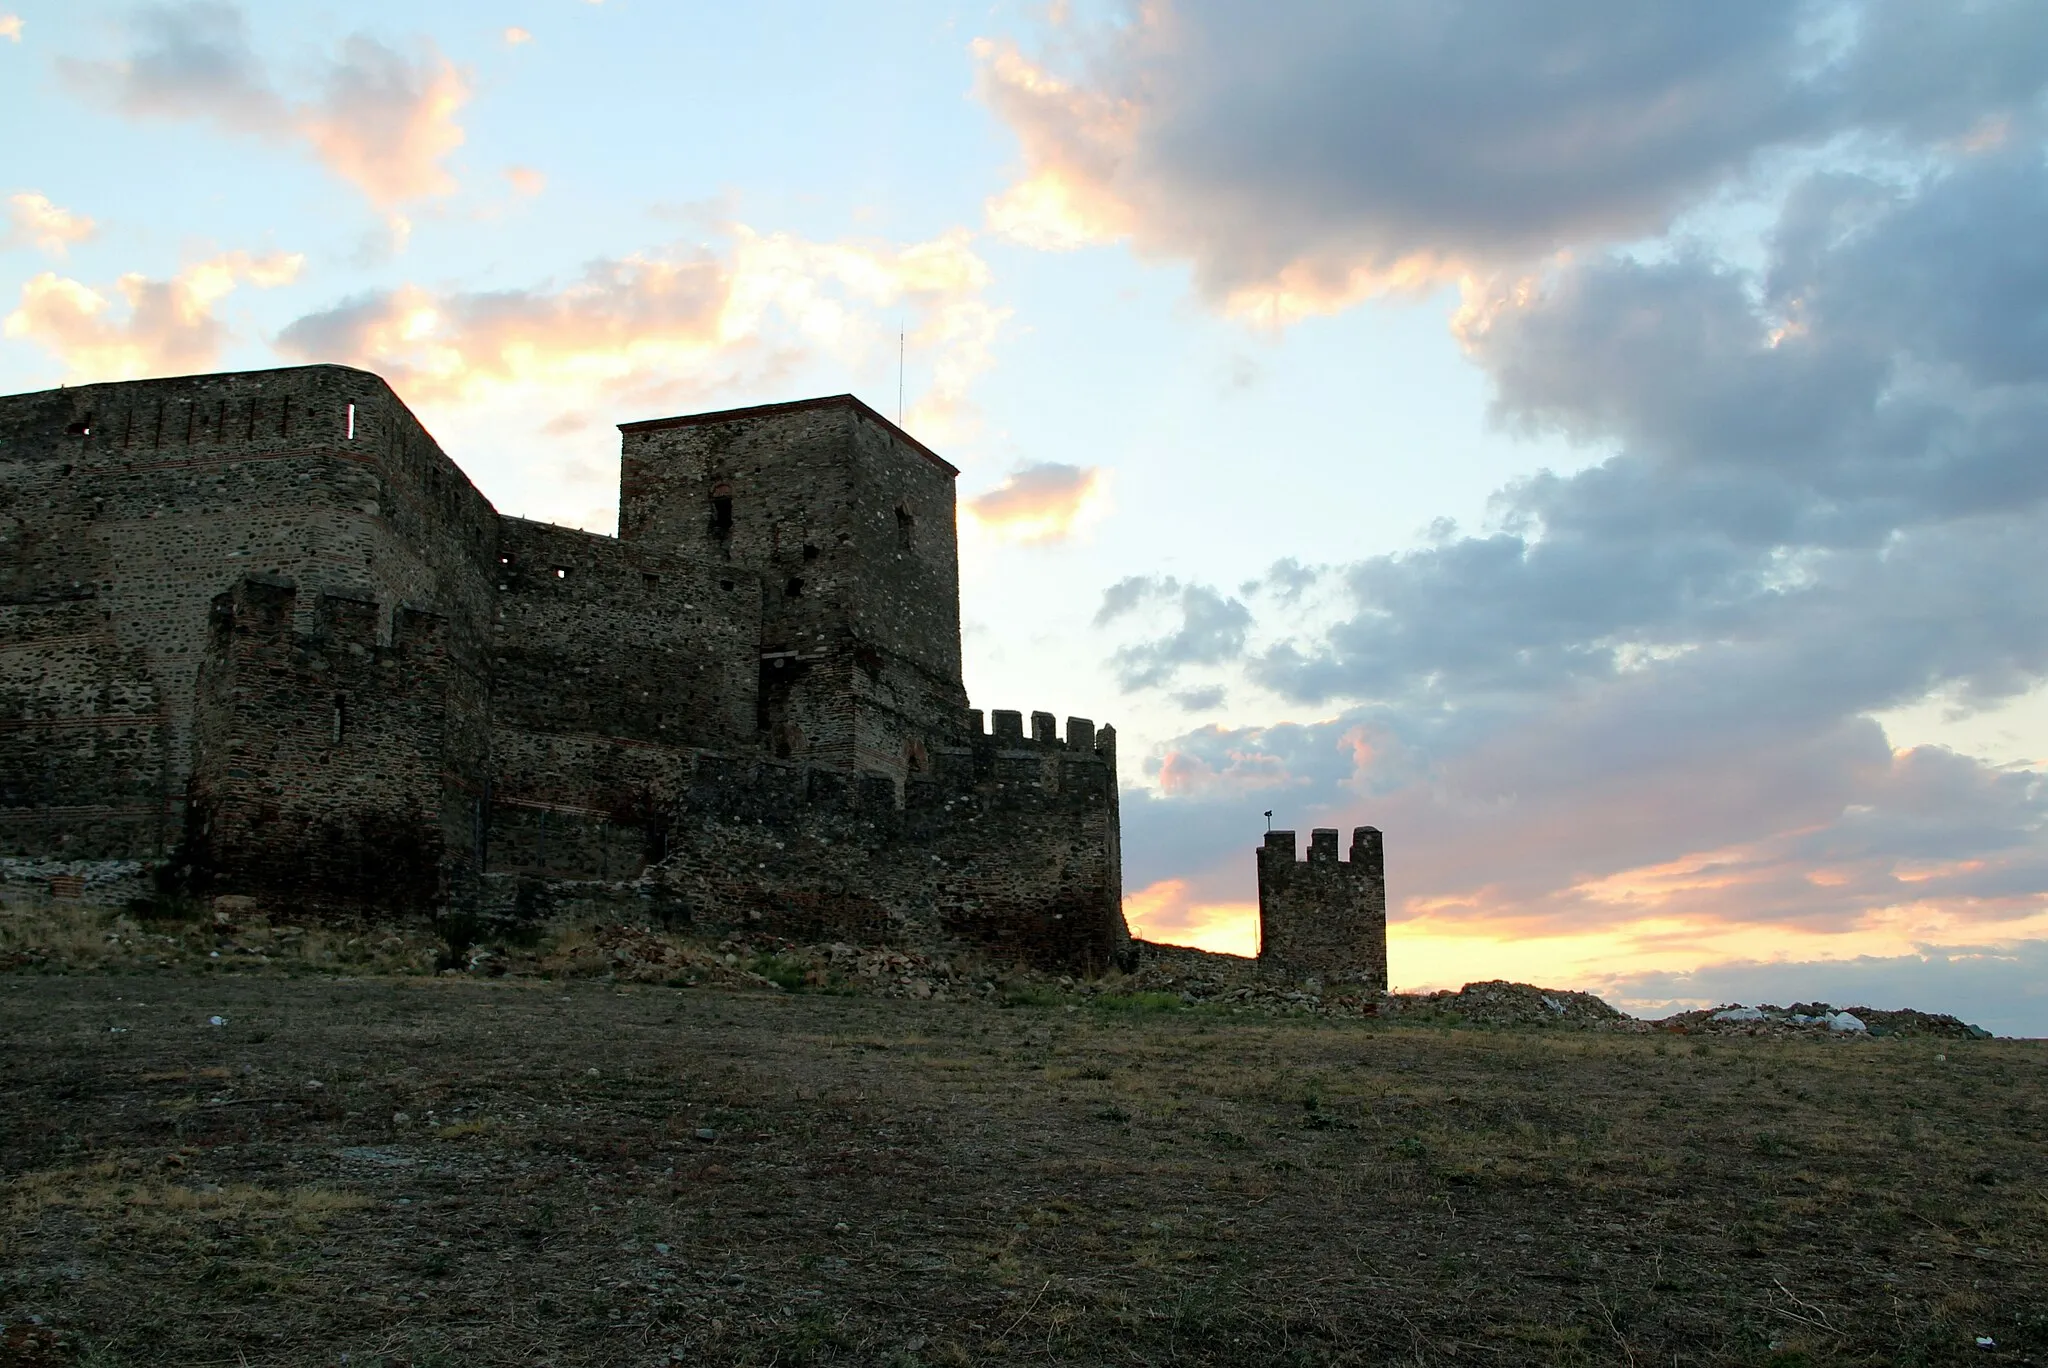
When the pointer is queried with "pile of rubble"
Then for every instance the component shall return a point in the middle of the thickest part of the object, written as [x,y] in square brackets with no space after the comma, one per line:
[1822,1019]
[1498,1002]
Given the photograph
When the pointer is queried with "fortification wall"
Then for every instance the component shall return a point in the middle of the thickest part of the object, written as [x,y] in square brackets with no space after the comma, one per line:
[272,595]
[592,634]
[1008,842]
[137,503]
[82,762]
[1324,917]
[327,772]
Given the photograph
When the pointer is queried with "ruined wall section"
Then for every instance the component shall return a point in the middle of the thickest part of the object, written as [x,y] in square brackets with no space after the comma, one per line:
[1323,917]
[1007,843]
[323,771]
[610,662]
[149,498]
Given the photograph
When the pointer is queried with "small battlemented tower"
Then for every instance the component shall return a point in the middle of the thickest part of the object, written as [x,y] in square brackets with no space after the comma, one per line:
[1323,917]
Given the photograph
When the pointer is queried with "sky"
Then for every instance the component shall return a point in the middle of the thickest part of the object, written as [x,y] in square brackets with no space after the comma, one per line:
[1603,444]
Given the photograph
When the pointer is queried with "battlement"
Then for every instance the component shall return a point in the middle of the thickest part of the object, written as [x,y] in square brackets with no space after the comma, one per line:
[1367,854]
[344,625]
[1083,736]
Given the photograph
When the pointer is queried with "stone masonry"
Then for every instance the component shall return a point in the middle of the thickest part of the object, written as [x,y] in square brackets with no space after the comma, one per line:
[1323,917]
[260,635]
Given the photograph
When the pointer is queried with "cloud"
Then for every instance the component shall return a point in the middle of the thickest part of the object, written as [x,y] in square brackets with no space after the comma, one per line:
[1038,503]
[526,180]
[386,121]
[169,326]
[659,322]
[1365,147]
[515,36]
[382,120]
[1211,629]
[1639,707]
[33,219]
[10,27]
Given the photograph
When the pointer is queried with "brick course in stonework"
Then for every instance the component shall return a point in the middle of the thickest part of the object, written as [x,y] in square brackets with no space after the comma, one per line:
[260,627]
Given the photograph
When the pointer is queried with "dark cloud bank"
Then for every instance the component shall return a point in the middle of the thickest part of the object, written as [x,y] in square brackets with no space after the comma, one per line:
[1326,136]
[1825,496]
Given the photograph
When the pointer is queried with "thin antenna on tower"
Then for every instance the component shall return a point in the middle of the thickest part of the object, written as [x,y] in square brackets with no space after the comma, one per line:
[899,377]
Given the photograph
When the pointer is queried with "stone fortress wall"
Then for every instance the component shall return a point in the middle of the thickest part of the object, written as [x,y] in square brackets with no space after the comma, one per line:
[260,628]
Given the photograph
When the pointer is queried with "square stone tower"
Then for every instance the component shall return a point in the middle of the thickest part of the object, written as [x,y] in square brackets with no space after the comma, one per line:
[848,523]
[1324,918]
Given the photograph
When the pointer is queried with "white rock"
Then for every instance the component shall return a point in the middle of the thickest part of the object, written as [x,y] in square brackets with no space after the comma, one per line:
[1843,1021]
[1738,1014]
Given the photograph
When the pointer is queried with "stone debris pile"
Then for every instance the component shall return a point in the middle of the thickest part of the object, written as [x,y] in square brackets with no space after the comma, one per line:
[1497,1002]
[1820,1019]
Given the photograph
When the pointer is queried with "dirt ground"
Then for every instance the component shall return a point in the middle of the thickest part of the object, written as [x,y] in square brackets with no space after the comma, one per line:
[382,1170]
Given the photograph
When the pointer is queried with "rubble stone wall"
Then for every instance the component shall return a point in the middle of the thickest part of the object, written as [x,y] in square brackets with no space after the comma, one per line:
[125,509]
[324,771]
[1323,917]
[849,524]
[1006,843]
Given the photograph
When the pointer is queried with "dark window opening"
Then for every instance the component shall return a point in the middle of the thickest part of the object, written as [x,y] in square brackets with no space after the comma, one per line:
[810,552]
[793,589]
[906,527]
[340,729]
[721,510]
[650,582]
[725,585]
[81,428]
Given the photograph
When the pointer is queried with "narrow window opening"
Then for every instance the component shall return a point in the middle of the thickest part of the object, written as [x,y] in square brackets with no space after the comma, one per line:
[906,527]
[81,428]
[650,582]
[810,552]
[351,422]
[793,589]
[340,718]
[725,585]
[721,515]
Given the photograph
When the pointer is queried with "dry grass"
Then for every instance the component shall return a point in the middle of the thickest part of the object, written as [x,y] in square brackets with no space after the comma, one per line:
[925,1183]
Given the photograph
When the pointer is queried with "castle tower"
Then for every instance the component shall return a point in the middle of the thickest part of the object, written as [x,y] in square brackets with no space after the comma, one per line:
[1323,917]
[848,523]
